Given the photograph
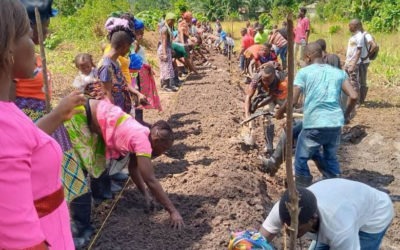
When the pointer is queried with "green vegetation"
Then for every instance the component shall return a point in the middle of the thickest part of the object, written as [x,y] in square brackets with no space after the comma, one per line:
[80,26]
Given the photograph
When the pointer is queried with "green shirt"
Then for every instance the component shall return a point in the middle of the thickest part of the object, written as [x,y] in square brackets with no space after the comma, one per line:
[261,38]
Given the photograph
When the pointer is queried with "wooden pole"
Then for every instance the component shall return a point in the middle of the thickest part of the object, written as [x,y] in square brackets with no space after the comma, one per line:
[43,58]
[293,205]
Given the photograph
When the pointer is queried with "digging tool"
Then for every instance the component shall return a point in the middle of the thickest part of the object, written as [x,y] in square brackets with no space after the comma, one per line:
[266,113]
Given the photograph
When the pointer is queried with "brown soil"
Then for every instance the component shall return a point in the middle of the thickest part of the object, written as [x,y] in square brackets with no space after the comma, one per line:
[213,179]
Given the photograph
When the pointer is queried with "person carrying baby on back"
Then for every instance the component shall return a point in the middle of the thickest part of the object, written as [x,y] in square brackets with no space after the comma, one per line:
[86,81]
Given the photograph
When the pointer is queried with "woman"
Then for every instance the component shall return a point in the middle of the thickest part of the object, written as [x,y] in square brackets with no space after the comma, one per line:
[164,53]
[33,211]
[145,78]
[104,129]
[30,98]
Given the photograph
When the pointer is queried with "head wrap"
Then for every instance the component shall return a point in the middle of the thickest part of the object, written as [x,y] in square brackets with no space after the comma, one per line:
[136,62]
[187,15]
[139,24]
[248,240]
[194,20]
[114,22]
[45,9]
[170,16]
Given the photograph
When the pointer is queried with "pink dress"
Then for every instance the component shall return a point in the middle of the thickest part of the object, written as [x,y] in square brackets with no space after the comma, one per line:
[30,168]
[122,134]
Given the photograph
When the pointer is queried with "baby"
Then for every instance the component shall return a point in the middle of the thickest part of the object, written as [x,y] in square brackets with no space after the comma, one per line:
[87,71]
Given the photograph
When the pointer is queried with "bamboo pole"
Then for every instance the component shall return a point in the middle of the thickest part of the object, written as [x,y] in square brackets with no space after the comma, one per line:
[293,205]
[43,58]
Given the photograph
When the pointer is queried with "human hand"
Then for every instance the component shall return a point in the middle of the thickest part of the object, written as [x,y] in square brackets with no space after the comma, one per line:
[142,99]
[176,220]
[163,58]
[279,115]
[66,108]
[351,68]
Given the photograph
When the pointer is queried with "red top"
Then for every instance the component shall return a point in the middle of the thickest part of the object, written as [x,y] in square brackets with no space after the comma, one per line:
[247,41]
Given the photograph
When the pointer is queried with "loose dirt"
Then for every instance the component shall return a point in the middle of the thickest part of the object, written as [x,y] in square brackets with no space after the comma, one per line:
[213,179]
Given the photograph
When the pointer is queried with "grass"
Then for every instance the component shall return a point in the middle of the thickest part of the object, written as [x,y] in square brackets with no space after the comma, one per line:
[382,72]
[84,32]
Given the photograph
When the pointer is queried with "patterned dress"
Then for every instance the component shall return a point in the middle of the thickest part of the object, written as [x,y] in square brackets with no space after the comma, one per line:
[166,67]
[110,71]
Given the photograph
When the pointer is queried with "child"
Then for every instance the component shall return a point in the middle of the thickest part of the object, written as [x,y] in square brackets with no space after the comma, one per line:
[86,81]
[229,44]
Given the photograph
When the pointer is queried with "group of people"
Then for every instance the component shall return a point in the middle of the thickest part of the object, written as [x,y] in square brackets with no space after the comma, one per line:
[99,129]
[339,213]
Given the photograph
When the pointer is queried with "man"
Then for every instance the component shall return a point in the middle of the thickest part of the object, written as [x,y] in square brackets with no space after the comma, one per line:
[281,44]
[301,34]
[218,26]
[369,47]
[321,85]
[270,81]
[353,54]
[247,42]
[339,214]
[261,36]
[283,30]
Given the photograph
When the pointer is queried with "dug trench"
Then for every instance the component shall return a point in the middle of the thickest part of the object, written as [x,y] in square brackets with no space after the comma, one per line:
[213,179]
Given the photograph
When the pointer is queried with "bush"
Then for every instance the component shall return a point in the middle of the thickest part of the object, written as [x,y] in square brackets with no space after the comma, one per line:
[334,29]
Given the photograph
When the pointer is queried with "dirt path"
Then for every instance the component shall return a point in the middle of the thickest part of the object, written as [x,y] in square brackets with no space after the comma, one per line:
[213,179]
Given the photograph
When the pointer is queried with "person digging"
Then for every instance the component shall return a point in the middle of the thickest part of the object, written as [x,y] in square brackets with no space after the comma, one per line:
[271,87]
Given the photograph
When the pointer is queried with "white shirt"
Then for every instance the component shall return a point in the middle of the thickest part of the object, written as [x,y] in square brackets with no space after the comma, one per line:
[81,81]
[345,208]
[355,42]
[365,48]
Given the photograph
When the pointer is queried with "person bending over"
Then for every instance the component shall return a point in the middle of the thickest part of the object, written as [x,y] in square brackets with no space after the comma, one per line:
[339,214]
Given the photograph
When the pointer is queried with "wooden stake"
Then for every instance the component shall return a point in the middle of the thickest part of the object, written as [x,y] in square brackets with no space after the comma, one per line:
[43,58]
[293,205]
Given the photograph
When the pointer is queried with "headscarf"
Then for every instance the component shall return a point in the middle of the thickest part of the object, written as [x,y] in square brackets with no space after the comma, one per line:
[248,240]
[187,15]
[139,24]
[114,22]
[170,16]
[136,62]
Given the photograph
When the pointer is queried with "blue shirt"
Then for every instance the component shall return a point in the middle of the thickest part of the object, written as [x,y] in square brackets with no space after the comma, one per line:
[321,85]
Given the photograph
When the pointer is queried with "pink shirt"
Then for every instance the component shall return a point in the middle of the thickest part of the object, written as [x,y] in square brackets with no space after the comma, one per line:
[122,134]
[30,168]
[303,24]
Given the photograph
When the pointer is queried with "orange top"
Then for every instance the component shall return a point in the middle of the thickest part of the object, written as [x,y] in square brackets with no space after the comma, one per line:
[33,87]
[252,51]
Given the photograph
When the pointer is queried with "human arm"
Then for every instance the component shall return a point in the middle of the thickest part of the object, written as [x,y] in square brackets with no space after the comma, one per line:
[250,91]
[296,95]
[272,224]
[63,112]
[353,96]
[141,98]
[164,42]
[307,28]
[146,171]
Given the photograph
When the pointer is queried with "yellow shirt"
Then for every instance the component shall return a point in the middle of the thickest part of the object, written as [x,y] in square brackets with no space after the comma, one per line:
[123,62]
